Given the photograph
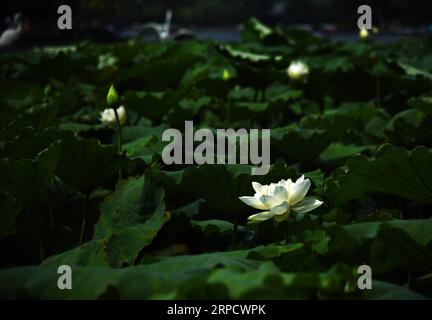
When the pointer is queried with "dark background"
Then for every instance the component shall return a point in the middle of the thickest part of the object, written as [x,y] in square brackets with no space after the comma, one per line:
[228,12]
[104,19]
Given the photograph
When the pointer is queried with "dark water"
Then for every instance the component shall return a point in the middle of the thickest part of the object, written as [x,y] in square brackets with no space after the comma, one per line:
[233,35]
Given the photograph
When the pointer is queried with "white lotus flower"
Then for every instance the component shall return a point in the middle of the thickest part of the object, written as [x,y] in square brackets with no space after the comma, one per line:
[108,116]
[298,70]
[279,200]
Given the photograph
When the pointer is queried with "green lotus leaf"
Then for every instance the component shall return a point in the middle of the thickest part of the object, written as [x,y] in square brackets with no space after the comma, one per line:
[85,165]
[127,224]
[394,171]
[28,179]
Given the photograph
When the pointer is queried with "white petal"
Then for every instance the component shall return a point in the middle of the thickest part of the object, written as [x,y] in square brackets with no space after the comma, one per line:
[271,201]
[257,187]
[280,194]
[288,184]
[265,215]
[298,191]
[253,202]
[282,182]
[271,188]
[280,209]
[300,180]
[121,111]
[306,205]
[107,116]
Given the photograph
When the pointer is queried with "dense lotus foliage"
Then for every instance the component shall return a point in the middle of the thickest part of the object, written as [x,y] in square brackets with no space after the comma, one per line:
[357,129]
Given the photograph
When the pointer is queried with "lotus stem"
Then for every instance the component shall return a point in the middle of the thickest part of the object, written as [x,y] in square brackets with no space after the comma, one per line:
[41,248]
[50,215]
[256,95]
[378,89]
[39,235]
[264,95]
[84,220]
[235,232]
[119,135]
[119,138]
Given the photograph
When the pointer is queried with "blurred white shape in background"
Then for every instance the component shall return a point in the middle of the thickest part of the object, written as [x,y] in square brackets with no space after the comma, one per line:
[12,33]
[164,31]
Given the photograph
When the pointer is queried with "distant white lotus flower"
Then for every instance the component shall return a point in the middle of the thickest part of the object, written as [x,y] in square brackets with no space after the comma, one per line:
[108,116]
[298,70]
[279,200]
[363,34]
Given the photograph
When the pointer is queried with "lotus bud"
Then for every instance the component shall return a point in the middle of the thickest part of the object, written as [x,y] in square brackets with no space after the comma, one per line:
[226,75]
[112,97]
